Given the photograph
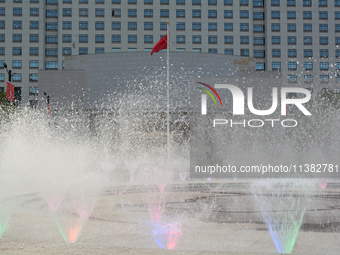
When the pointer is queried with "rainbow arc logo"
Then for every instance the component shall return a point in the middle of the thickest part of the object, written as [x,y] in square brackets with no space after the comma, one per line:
[209,93]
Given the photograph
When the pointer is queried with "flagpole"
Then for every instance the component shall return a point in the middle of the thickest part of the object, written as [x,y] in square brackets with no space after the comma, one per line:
[168,89]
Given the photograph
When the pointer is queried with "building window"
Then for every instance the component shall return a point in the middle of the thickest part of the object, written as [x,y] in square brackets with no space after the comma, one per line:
[99,38]
[292,78]
[337,15]
[228,26]
[337,40]
[292,66]
[16,24]
[115,12]
[83,51]
[116,25]
[51,39]
[291,39]
[212,39]
[17,37]
[337,66]
[228,39]
[49,26]
[336,2]
[164,1]
[180,38]
[323,15]
[244,39]
[324,66]
[276,53]
[228,14]
[17,51]
[307,40]
[214,51]
[244,27]
[212,14]
[51,1]
[307,15]
[17,77]
[51,13]
[259,54]
[258,40]
[51,52]
[307,27]
[275,27]
[292,53]
[180,1]
[323,53]
[149,13]
[180,26]
[34,64]
[275,14]
[116,39]
[243,2]
[244,14]
[308,53]
[337,53]
[291,15]
[99,50]
[2,37]
[244,52]
[163,26]
[17,11]
[196,26]
[132,38]
[228,2]
[196,39]
[67,38]
[83,38]
[260,66]
[258,15]
[258,3]
[322,3]
[323,27]
[16,63]
[2,11]
[34,51]
[212,2]
[212,26]
[196,13]
[99,12]
[35,25]
[275,2]
[148,38]
[180,13]
[308,78]
[67,25]
[129,2]
[132,12]
[64,1]
[67,51]
[308,65]
[196,2]
[337,27]
[67,12]
[2,51]
[276,65]
[148,25]
[276,40]
[132,25]
[307,3]
[86,1]
[99,25]
[324,78]
[324,40]
[290,2]
[229,51]
[83,25]
[83,12]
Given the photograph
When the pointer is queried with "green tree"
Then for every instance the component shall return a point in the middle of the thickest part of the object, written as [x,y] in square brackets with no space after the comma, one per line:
[5,108]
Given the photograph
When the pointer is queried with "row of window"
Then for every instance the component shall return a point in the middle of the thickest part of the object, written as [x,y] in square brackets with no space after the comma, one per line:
[306,15]
[306,66]
[309,78]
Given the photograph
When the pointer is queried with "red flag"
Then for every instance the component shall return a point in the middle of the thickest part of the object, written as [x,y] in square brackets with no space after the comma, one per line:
[10,91]
[161,45]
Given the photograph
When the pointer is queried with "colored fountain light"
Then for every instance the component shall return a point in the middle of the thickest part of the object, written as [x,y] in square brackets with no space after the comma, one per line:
[323,183]
[167,234]
[155,203]
[54,202]
[283,206]
[5,215]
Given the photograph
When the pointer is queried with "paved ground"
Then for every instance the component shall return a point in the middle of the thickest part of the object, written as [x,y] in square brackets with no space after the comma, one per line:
[120,224]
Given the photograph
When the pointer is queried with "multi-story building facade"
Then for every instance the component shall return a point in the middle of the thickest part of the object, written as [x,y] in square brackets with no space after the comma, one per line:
[298,37]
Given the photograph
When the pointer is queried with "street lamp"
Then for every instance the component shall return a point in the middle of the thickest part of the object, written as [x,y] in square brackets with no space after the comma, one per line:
[48,103]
